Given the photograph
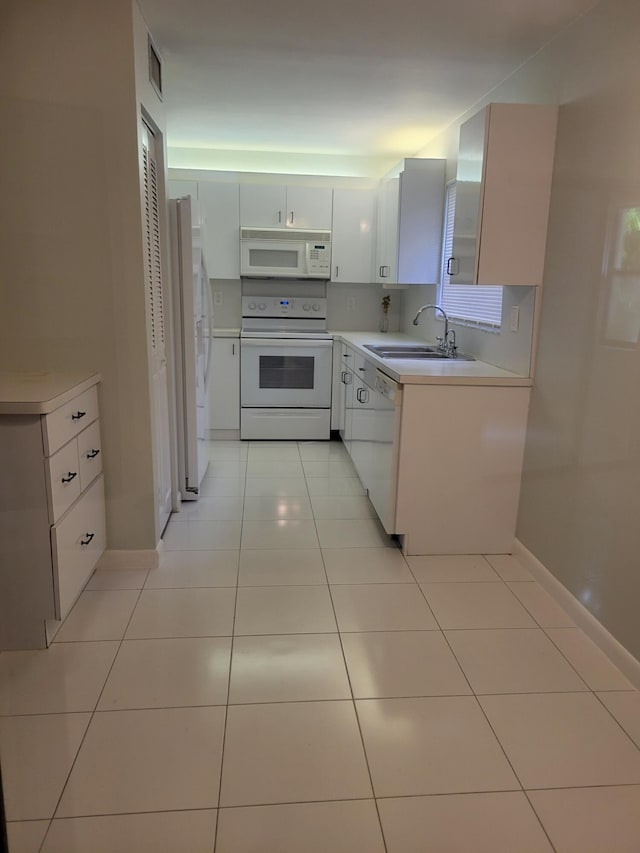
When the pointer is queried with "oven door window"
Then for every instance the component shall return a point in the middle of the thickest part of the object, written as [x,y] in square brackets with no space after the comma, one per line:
[286,371]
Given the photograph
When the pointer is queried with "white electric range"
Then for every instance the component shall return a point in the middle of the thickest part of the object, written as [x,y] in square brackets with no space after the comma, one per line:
[286,357]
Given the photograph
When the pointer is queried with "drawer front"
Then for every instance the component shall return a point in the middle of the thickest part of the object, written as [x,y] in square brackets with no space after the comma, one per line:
[66,422]
[77,543]
[89,454]
[63,472]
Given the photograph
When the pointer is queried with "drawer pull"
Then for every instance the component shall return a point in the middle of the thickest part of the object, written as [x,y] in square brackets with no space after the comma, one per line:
[88,539]
[92,454]
[77,416]
[70,476]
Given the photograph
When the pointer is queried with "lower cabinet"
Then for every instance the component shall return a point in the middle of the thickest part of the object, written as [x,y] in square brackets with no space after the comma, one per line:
[52,515]
[224,389]
[442,463]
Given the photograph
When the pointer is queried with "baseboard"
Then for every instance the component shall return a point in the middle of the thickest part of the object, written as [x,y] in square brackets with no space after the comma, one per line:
[606,642]
[147,559]
[223,434]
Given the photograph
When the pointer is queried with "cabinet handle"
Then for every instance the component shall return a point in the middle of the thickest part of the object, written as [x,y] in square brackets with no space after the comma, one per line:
[384,271]
[360,395]
[292,217]
[279,216]
[70,476]
[337,268]
[450,266]
[346,377]
[233,349]
[92,454]
[88,539]
[77,416]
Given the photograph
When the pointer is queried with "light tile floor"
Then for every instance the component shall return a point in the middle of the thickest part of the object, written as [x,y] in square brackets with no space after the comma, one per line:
[287,681]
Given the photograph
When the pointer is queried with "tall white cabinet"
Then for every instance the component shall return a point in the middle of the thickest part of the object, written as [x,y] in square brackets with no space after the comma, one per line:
[52,512]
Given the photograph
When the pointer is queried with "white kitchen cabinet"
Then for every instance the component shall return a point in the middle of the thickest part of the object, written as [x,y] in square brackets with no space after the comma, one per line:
[353,234]
[442,463]
[180,189]
[220,210]
[52,511]
[271,206]
[224,390]
[503,189]
[409,233]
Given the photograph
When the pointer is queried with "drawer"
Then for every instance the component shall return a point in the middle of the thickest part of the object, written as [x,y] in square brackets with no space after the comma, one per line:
[63,424]
[63,476]
[77,543]
[89,454]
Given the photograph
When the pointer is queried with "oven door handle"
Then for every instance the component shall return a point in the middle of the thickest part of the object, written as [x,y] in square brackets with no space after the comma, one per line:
[285,342]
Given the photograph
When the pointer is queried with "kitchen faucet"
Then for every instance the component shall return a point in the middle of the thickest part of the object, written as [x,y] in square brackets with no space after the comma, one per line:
[445,345]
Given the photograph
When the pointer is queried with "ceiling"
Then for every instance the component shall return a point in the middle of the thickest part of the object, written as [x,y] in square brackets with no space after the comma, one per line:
[338,77]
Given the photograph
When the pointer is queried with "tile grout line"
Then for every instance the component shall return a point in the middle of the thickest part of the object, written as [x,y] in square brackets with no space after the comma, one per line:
[484,714]
[353,705]
[233,632]
[91,718]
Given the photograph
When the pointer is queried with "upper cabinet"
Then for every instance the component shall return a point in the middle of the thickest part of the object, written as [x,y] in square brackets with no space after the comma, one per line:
[278,206]
[218,206]
[220,209]
[352,238]
[409,233]
[503,188]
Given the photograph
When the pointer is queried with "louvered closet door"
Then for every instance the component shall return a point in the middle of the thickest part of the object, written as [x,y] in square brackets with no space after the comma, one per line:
[161,438]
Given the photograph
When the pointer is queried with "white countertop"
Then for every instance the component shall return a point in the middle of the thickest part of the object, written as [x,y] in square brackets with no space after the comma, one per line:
[412,371]
[40,392]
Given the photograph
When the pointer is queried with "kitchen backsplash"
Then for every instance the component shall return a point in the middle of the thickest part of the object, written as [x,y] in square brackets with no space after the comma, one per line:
[357,307]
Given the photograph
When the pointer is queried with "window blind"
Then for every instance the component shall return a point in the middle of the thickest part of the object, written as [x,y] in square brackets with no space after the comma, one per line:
[478,306]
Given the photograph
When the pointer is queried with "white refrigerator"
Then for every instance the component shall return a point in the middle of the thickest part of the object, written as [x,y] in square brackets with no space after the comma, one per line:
[193,315]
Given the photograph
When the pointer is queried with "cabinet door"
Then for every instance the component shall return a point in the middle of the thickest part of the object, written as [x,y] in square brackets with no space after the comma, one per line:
[419,229]
[352,236]
[220,209]
[263,206]
[387,235]
[363,427]
[462,267]
[309,207]
[348,385]
[224,390]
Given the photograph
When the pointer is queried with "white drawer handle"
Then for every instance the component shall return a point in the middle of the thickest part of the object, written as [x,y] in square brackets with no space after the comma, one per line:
[70,476]
[88,539]
[77,416]
[92,454]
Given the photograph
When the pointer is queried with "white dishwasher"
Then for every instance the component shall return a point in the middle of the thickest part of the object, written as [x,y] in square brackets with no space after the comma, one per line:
[375,439]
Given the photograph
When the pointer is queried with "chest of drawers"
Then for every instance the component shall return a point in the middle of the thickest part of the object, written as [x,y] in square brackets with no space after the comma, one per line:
[52,515]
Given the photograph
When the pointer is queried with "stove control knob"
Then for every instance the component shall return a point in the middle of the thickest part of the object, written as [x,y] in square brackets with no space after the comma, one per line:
[262,306]
[252,306]
[316,307]
[306,307]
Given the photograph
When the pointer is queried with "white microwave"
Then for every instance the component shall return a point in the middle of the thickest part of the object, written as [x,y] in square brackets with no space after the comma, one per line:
[285,253]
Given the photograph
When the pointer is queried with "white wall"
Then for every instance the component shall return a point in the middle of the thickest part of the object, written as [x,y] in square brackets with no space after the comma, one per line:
[70,226]
[580,497]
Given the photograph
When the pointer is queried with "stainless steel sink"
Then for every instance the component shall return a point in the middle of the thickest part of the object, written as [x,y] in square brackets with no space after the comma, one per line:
[413,351]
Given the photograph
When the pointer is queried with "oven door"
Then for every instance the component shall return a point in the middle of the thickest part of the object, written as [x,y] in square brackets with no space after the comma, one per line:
[276,372]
